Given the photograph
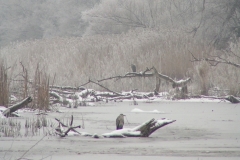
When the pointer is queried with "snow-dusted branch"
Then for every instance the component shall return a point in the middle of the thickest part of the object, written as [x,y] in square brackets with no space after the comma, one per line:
[129,75]
[143,130]
[148,73]
[113,95]
[180,83]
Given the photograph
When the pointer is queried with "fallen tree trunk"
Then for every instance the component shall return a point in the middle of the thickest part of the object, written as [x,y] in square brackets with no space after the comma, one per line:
[143,130]
[17,106]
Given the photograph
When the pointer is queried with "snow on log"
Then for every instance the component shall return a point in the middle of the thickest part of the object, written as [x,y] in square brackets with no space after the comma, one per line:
[143,130]
[137,110]
[153,125]
[60,99]
[57,96]
[180,83]
[75,99]
[122,133]
[17,106]
[85,93]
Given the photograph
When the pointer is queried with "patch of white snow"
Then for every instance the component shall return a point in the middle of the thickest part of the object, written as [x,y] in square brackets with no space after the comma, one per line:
[137,110]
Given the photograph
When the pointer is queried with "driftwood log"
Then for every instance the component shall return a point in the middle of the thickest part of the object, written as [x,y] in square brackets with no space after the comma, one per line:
[143,130]
[17,106]
[151,126]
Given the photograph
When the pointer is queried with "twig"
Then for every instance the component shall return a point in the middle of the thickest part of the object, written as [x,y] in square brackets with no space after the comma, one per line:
[215,62]
[129,75]
[8,150]
[31,147]
[126,119]
[62,133]
[45,157]
[83,126]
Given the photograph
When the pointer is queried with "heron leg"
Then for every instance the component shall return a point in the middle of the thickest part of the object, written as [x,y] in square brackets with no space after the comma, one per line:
[119,127]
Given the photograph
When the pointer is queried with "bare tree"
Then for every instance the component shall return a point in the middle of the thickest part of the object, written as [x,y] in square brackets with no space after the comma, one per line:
[118,16]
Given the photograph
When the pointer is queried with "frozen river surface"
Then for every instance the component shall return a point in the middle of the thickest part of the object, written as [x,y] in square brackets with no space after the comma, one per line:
[203,131]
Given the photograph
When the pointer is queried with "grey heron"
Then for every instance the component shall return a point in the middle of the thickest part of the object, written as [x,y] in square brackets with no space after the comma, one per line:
[134,69]
[120,121]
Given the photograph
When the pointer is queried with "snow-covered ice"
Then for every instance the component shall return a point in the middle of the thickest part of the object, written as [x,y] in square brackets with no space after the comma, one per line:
[137,110]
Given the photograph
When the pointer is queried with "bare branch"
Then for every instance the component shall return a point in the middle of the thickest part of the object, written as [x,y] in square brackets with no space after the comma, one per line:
[105,88]
[63,133]
[215,62]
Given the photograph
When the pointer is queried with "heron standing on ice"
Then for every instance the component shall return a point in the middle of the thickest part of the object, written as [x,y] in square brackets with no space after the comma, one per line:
[120,121]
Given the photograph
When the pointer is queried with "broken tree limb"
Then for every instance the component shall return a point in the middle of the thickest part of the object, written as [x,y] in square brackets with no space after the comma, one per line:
[180,85]
[130,75]
[17,106]
[180,88]
[155,125]
[61,132]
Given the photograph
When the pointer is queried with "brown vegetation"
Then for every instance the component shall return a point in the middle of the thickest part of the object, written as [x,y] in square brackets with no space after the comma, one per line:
[4,85]
[73,61]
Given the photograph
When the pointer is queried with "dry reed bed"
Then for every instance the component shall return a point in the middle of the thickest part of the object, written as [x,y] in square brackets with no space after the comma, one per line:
[75,60]
[34,126]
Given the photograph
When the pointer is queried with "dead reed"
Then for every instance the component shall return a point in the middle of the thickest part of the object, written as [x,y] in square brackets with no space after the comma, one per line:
[35,126]
[4,85]
[75,60]
[40,90]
